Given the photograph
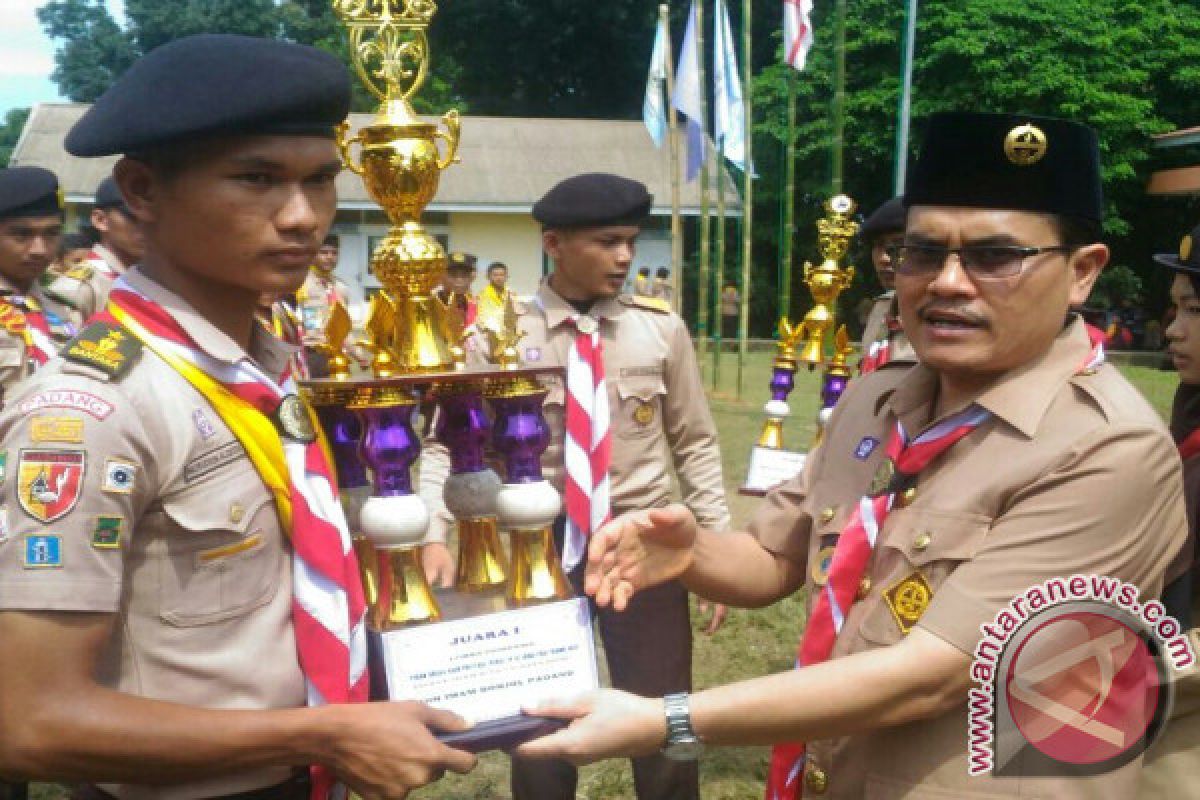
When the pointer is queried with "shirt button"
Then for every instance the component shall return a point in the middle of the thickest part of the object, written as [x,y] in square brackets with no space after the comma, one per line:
[816,780]
[864,587]
[922,540]
[828,514]
[236,512]
[907,497]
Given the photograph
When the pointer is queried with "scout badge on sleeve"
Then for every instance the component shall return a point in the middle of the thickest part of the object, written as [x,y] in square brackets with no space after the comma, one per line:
[48,482]
[908,599]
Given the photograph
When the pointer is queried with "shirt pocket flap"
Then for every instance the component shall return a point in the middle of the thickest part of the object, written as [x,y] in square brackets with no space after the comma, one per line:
[926,536]
[644,388]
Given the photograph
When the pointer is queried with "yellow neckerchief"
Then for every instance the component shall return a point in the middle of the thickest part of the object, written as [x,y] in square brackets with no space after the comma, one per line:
[253,429]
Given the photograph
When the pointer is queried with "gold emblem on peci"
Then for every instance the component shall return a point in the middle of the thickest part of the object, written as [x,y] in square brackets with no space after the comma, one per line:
[644,413]
[1185,248]
[908,599]
[1025,145]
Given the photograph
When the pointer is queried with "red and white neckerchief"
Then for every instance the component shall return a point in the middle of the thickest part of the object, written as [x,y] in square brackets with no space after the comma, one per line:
[100,264]
[855,547]
[879,352]
[23,315]
[587,448]
[328,607]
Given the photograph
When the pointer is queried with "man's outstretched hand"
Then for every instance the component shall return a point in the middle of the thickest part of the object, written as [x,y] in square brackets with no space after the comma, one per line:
[637,551]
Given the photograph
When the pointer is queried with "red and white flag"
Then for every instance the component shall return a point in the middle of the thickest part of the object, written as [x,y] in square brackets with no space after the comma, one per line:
[797,31]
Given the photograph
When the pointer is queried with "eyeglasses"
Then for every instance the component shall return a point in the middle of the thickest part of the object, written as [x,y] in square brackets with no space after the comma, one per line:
[982,262]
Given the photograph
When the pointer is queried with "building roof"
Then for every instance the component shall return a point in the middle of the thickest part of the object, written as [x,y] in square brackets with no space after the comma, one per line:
[1179,138]
[507,163]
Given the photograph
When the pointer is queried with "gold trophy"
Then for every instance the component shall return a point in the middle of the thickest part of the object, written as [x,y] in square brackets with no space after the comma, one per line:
[770,463]
[510,633]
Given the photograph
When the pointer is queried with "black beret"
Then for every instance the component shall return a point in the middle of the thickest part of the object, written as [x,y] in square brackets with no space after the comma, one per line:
[1008,161]
[108,195]
[888,218]
[29,192]
[214,85]
[462,261]
[593,200]
[1187,260]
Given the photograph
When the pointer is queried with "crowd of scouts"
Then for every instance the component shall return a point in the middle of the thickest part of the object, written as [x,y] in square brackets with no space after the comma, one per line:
[179,614]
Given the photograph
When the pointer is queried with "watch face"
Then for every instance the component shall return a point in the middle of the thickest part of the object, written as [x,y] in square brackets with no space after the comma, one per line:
[684,750]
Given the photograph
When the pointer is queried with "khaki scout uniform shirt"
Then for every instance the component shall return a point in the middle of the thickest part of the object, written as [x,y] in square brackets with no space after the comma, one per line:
[315,300]
[1073,474]
[171,531]
[15,363]
[659,412]
[876,329]
[87,286]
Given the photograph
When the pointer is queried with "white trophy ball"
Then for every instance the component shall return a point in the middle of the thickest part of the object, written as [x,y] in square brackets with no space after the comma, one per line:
[527,506]
[777,408]
[471,495]
[394,522]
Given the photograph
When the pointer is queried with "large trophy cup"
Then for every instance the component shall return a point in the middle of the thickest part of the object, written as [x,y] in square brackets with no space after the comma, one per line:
[510,633]
[770,462]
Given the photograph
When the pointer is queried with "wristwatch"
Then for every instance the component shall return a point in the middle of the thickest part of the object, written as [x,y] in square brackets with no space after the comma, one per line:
[682,742]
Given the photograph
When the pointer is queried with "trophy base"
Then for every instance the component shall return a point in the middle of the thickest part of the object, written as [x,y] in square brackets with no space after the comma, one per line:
[501,734]
[770,467]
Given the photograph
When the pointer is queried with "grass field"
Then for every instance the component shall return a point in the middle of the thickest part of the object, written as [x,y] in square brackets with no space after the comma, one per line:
[750,643]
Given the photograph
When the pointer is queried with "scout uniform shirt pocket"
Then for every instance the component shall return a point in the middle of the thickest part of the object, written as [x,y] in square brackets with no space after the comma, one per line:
[920,548]
[640,406]
[223,554]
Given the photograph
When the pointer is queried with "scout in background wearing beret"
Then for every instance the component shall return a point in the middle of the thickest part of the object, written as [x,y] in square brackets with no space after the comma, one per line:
[939,494]
[314,302]
[1170,769]
[176,578]
[456,285]
[645,374]
[883,341]
[33,324]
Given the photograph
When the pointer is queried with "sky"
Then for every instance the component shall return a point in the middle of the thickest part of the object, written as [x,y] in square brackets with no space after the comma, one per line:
[27,56]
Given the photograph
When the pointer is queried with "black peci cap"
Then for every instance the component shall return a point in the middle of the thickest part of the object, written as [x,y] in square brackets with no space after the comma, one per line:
[215,85]
[461,262]
[108,195]
[593,200]
[29,192]
[888,218]
[1187,259]
[1008,161]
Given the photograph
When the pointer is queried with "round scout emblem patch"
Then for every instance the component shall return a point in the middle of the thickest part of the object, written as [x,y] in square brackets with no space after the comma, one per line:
[1025,145]
[821,564]
[294,420]
[644,413]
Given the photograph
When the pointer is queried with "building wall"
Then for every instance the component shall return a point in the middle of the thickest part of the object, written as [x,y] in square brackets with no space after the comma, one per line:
[515,239]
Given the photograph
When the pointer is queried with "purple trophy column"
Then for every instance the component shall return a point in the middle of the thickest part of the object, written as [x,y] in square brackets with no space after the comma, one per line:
[832,387]
[463,427]
[520,434]
[783,380]
[343,430]
[390,447]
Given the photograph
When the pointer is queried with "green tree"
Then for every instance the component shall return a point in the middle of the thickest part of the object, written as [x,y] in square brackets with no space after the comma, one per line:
[10,131]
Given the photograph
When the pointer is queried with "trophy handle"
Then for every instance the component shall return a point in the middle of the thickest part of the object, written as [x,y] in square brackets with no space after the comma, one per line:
[344,144]
[451,136]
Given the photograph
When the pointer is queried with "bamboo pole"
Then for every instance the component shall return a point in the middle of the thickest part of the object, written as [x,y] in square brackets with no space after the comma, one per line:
[789,202]
[839,96]
[664,13]
[748,192]
[702,329]
[719,270]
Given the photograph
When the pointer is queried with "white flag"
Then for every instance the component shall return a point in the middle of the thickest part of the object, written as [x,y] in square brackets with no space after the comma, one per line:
[654,112]
[797,31]
[687,97]
[729,112]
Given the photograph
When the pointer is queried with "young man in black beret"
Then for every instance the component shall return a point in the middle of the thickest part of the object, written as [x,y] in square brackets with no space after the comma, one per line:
[177,582]
[33,324]
[883,341]
[1009,456]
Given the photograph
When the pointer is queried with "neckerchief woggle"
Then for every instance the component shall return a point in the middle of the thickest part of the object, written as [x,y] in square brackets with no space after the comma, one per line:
[328,607]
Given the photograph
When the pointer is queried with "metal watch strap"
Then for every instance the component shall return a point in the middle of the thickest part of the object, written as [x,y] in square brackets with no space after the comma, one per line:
[679,718]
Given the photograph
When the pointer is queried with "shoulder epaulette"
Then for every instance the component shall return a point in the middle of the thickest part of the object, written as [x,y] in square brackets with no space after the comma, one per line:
[81,273]
[106,347]
[655,304]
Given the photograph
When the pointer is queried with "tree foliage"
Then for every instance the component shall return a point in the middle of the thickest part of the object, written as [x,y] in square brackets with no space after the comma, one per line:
[10,131]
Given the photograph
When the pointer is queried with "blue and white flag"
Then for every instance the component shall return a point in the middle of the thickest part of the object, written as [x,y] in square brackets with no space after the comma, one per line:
[687,99]
[654,111]
[729,111]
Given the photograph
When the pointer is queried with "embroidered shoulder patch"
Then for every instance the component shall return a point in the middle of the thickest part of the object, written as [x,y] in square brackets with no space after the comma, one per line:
[105,346]
[647,303]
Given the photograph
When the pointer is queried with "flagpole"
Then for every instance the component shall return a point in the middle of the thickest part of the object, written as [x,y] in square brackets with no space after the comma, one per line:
[788,200]
[664,14]
[719,269]
[905,113]
[839,95]
[702,329]
[748,182]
